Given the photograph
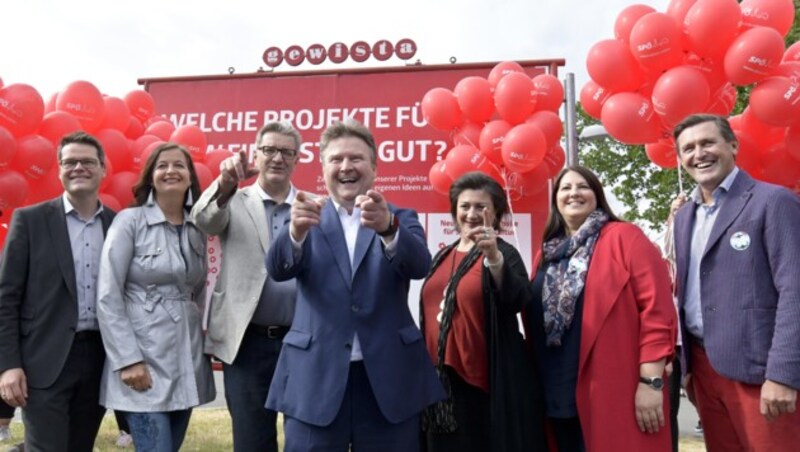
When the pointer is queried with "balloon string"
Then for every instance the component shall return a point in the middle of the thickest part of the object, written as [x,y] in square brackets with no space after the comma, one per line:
[503,174]
[680,175]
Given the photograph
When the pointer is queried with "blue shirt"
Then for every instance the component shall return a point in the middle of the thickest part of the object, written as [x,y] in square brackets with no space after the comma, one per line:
[705,216]
[86,239]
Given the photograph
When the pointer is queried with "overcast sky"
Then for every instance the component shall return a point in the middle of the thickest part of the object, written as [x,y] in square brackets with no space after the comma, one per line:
[48,43]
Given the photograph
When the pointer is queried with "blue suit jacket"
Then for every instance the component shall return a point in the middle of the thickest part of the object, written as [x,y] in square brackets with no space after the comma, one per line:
[333,302]
[750,297]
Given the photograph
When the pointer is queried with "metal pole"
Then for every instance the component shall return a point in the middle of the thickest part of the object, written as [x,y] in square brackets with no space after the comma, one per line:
[571,119]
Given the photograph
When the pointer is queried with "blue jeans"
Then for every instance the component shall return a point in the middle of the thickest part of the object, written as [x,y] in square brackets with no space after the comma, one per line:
[247,382]
[158,432]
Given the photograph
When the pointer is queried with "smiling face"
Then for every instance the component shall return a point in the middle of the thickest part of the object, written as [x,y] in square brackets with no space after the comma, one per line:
[275,171]
[171,173]
[474,208]
[706,156]
[575,200]
[80,180]
[348,169]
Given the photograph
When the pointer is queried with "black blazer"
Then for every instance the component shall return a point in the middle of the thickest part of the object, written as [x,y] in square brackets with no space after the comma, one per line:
[38,301]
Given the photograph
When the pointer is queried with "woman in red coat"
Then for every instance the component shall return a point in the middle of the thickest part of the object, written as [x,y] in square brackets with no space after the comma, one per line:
[602,323]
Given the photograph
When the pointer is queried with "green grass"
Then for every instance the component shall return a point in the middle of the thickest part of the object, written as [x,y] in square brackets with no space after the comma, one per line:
[210,431]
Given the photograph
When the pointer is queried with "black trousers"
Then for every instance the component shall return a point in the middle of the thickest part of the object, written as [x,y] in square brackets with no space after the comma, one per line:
[471,410]
[66,416]
[675,398]
[6,410]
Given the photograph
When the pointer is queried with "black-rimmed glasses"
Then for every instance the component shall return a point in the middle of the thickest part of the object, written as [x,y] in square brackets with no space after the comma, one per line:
[271,151]
[70,164]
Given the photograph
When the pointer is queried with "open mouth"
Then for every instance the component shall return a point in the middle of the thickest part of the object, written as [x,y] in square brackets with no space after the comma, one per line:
[348,180]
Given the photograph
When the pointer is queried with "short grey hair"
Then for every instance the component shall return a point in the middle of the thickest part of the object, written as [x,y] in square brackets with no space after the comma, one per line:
[282,128]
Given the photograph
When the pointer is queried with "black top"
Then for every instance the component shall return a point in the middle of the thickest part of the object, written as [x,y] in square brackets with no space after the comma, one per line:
[558,366]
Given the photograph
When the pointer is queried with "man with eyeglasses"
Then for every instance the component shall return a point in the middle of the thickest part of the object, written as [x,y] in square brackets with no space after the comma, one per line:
[250,312]
[51,352]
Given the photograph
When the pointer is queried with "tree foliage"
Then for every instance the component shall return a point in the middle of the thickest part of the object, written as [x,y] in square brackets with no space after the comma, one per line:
[645,189]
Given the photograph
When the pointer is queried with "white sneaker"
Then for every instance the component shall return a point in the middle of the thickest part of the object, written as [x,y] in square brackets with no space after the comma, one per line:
[5,433]
[124,439]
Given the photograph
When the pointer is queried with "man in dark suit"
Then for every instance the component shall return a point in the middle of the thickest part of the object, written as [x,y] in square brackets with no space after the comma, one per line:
[353,369]
[51,353]
[737,245]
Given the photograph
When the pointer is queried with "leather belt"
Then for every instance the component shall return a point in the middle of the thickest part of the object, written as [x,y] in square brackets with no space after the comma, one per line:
[271,332]
[87,335]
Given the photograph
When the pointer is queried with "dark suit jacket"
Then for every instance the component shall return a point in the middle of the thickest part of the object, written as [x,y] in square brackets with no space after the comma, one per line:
[751,296]
[38,301]
[333,302]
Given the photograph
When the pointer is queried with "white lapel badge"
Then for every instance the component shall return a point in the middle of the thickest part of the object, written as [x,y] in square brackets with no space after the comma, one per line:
[740,241]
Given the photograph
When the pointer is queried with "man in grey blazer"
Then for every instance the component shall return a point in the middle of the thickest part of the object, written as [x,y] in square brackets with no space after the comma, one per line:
[250,313]
[737,245]
[51,353]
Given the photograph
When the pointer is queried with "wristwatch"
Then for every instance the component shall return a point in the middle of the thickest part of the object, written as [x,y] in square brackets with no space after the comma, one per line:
[654,382]
[394,223]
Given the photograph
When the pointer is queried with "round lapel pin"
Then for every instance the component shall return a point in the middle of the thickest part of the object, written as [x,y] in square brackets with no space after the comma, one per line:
[740,241]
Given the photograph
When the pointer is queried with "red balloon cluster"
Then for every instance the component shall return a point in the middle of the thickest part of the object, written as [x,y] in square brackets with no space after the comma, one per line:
[662,67]
[505,125]
[128,129]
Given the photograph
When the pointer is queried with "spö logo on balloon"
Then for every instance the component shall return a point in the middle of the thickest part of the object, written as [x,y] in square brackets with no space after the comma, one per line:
[763,62]
[790,92]
[11,107]
[755,13]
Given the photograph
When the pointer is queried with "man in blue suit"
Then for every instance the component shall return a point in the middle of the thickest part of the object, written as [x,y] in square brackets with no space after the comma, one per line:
[353,369]
[737,245]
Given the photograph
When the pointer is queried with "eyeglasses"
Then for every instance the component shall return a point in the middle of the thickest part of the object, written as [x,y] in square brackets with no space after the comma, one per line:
[271,151]
[70,164]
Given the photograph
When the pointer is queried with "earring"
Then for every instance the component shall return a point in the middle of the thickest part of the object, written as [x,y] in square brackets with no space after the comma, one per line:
[189,198]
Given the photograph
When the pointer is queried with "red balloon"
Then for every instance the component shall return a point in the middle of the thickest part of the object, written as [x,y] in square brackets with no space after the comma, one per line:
[723,101]
[500,70]
[13,190]
[655,42]
[468,134]
[793,141]
[753,56]
[662,154]
[748,155]
[790,69]
[611,65]
[776,14]
[523,148]
[550,125]
[57,125]
[792,53]
[154,119]
[629,117]
[50,105]
[440,180]
[763,133]
[204,175]
[440,109]
[474,96]
[110,202]
[192,139]
[116,148]
[593,96]
[711,25]
[140,104]
[214,158]
[46,188]
[678,93]
[712,69]
[117,115]
[555,159]
[84,101]
[121,187]
[21,109]
[135,128]
[161,129]
[35,156]
[548,91]
[627,19]
[491,140]
[514,97]
[149,149]
[530,183]
[142,143]
[776,101]
[779,167]
[109,173]
[463,159]
[8,147]
[677,9]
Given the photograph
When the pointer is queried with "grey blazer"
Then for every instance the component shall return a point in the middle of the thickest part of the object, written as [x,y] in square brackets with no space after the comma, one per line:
[241,227]
[38,301]
[749,283]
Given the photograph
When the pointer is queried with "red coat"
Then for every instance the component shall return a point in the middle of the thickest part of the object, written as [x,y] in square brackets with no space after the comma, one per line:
[628,319]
